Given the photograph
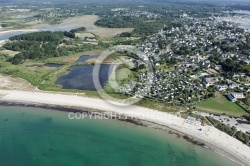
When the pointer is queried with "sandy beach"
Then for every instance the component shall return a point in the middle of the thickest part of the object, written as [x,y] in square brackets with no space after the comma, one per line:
[212,137]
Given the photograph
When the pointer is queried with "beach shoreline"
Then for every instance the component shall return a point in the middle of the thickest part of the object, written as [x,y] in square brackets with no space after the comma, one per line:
[173,125]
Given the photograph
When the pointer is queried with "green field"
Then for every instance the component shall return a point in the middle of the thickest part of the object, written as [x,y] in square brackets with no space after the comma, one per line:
[122,74]
[117,78]
[220,104]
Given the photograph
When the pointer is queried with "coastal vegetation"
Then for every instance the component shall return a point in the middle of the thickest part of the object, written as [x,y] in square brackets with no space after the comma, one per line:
[247,117]
[142,27]
[42,45]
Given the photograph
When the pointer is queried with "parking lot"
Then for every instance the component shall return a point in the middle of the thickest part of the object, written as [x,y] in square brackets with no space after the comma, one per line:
[240,123]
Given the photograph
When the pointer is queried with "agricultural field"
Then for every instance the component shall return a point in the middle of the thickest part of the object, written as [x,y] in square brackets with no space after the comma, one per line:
[221,105]
[85,35]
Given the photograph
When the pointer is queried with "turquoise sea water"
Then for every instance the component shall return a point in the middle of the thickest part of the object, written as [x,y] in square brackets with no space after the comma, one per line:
[40,137]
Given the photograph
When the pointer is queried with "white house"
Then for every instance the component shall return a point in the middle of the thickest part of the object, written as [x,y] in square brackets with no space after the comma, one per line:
[210,81]
[235,96]
[218,67]
[221,87]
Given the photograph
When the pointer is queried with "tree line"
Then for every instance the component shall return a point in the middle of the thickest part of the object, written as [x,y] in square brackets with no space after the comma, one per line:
[39,45]
[143,27]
